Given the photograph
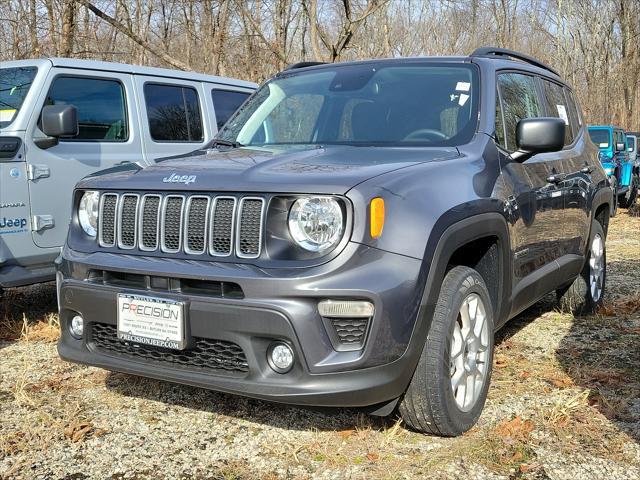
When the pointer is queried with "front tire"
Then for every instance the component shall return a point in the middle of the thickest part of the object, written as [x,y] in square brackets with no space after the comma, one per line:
[449,387]
[586,292]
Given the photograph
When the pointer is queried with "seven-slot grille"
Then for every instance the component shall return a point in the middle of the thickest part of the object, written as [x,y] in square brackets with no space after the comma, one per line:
[193,224]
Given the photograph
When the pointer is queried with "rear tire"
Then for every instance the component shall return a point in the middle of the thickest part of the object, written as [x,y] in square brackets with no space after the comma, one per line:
[586,292]
[458,351]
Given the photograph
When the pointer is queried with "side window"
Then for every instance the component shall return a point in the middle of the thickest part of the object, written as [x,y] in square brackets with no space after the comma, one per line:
[519,100]
[173,112]
[225,103]
[499,123]
[618,139]
[294,119]
[574,115]
[100,104]
[557,106]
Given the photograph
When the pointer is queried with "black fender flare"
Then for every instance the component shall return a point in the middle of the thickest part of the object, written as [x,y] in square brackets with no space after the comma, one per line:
[601,197]
[446,237]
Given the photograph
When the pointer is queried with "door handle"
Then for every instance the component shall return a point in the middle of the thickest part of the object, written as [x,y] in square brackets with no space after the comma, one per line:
[34,172]
[555,178]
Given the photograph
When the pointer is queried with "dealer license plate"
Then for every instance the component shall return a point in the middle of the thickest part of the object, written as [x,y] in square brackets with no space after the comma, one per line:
[151,321]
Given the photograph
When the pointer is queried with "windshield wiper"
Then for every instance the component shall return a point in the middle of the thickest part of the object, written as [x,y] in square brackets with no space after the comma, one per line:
[220,142]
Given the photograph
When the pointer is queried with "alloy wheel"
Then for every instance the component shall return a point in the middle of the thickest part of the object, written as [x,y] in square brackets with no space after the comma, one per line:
[469,352]
[596,267]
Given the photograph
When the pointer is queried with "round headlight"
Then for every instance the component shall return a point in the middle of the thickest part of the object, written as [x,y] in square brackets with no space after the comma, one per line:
[315,223]
[88,213]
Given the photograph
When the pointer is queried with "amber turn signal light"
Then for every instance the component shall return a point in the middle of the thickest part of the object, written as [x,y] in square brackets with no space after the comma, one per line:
[377,217]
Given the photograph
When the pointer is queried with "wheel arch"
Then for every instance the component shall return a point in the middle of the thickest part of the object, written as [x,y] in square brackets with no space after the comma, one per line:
[455,241]
[601,208]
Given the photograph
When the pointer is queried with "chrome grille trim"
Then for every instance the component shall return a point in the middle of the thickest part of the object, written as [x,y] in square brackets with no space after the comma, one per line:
[112,225]
[187,229]
[179,223]
[173,223]
[243,224]
[127,229]
[212,230]
[142,227]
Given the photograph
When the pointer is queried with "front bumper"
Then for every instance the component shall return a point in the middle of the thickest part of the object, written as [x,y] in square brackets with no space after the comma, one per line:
[278,305]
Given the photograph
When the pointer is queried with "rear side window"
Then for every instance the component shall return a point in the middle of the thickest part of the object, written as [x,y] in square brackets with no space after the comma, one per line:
[173,112]
[100,104]
[225,103]
[519,100]
[557,106]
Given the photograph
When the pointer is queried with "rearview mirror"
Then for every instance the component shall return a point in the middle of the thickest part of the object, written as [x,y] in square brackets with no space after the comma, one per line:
[538,135]
[60,120]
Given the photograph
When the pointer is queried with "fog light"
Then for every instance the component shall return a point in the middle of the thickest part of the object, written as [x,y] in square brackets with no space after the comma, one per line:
[76,327]
[345,308]
[280,357]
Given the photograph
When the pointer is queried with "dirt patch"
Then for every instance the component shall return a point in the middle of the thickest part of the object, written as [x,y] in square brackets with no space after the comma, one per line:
[564,403]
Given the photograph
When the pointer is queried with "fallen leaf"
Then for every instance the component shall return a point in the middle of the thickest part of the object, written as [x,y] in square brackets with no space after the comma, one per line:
[515,428]
[78,431]
[372,457]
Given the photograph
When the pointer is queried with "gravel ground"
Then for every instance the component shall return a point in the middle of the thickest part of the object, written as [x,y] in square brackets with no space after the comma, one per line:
[564,403]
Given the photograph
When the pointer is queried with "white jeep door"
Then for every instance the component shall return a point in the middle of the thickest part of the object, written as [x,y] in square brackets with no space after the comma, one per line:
[108,135]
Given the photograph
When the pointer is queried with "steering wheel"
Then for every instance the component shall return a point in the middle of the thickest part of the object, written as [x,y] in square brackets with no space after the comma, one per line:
[426,134]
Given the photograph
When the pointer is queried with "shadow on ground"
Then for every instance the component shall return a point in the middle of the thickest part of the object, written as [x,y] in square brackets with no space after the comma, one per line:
[28,305]
[602,352]
[280,415]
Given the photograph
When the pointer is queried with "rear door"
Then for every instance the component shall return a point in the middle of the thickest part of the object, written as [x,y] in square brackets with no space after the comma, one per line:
[108,135]
[576,185]
[175,118]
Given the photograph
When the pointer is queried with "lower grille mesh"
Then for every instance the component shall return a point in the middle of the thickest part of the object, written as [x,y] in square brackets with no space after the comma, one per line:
[207,354]
[350,330]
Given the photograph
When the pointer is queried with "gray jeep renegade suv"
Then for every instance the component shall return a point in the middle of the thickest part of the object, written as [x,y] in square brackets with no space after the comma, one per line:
[354,237]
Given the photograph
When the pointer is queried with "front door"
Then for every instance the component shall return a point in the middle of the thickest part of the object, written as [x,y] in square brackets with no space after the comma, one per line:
[536,196]
[107,135]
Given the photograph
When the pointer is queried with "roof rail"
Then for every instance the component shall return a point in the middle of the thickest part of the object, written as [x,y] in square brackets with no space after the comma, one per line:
[303,65]
[504,52]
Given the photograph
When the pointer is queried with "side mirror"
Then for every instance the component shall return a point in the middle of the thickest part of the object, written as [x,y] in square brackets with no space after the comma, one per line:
[620,147]
[57,121]
[60,120]
[538,135]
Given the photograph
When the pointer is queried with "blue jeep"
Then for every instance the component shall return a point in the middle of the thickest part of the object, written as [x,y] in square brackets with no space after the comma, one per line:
[617,163]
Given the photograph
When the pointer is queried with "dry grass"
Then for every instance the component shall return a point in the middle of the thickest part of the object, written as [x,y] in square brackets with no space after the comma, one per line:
[560,384]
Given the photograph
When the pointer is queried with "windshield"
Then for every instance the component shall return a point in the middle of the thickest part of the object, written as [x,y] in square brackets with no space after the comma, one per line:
[601,137]
[380,104]
[14,85]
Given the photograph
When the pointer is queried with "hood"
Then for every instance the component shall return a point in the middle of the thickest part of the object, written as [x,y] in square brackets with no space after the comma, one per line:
[324,170]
